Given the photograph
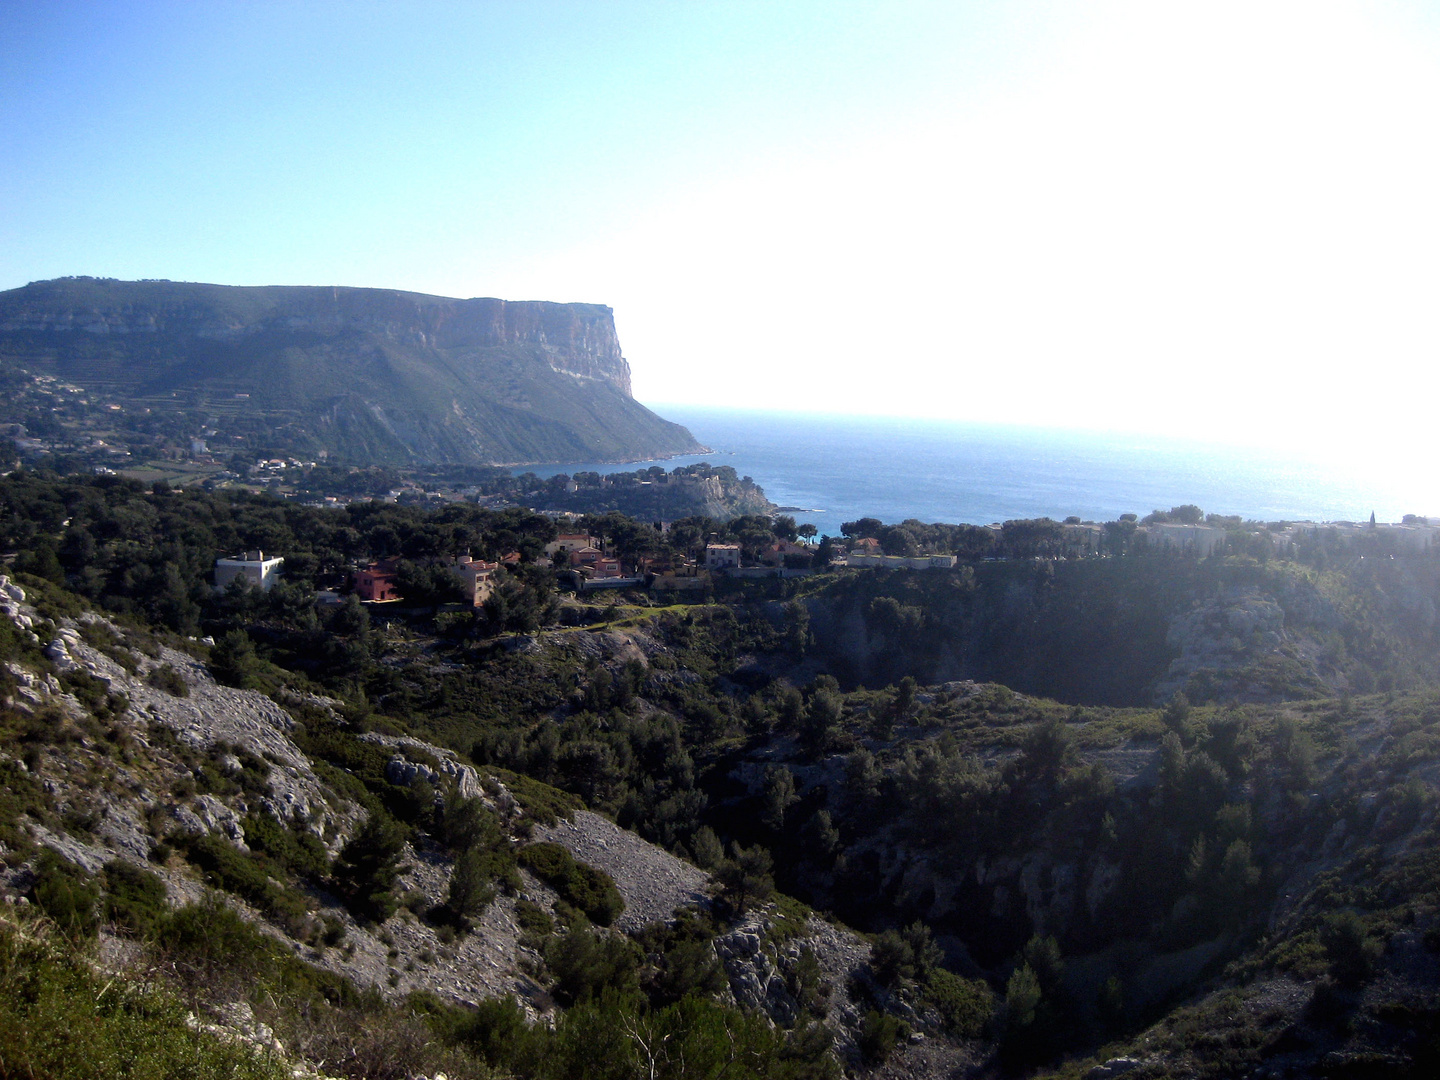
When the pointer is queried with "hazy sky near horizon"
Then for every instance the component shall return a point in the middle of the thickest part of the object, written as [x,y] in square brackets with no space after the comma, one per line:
[1217,217]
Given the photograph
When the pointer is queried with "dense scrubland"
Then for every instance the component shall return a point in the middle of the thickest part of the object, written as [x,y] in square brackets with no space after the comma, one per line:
[1143,813]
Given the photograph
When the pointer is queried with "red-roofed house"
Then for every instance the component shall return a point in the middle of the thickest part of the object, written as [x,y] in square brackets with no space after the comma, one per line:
[569,542]
[376,583]
[774,554]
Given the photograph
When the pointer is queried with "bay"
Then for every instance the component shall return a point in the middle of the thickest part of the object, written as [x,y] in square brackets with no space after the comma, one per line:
[839,468]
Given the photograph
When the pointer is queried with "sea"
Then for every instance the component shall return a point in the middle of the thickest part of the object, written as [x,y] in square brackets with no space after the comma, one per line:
[828,469]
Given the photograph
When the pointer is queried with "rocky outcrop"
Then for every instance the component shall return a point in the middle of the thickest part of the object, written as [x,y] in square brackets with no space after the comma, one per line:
[762,964]
[754,975]
[448,770]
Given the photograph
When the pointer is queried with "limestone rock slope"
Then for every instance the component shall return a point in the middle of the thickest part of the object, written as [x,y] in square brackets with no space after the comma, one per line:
[146,749]
[108,809]
[652,881]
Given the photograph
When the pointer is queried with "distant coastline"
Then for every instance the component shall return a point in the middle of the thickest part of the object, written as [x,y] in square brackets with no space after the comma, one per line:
[550,468]
[894,469]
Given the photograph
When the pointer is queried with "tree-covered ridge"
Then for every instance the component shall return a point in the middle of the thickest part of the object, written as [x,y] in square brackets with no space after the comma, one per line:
[652,494]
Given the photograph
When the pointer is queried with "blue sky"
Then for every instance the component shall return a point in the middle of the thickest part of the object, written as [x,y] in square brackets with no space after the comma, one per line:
[425,146]
[1215,217]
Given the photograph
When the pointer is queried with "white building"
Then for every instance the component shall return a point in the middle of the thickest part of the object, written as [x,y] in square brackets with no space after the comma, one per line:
[252,566]
[720,556]
[479,578]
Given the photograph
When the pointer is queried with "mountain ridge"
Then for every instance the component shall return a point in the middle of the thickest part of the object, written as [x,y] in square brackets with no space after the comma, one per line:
[369,375]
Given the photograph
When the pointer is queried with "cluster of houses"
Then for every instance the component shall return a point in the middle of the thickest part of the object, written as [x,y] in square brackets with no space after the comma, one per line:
[268,471]
[373,584]
[583,558]
[1414,536]
[376,583]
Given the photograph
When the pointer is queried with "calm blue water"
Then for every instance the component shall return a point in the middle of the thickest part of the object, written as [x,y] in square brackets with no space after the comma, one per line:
[842,468]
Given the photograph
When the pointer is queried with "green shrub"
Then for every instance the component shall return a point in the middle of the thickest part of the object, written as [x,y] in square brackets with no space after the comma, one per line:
[689,967]
[95,695]
[209,937]
[584,963]
[296,849]
[878,1035]
[167,678]
[543,803]
[209,942]
[134,897]
[891,958]
[21,796]
[65,893]
[611,1036]
[471,887]
[535,923]
[1352,951]
[966,1006]
[467,823]
[745,878]
[497,1032]
[589,889]
[368,865]
[248,876]
[1022,998]
[233,662]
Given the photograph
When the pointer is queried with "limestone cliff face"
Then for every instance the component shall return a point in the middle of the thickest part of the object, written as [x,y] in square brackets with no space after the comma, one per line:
[577,339]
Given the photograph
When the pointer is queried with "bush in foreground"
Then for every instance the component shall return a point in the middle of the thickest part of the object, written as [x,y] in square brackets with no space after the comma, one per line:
[59,1020]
